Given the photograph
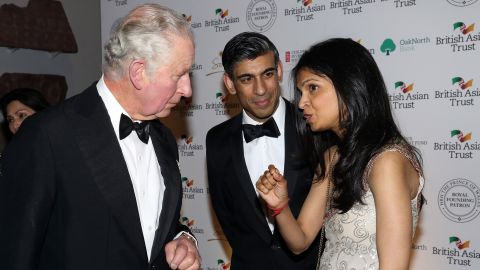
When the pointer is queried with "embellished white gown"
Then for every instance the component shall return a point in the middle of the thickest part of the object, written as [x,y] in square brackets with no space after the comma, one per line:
[351,237]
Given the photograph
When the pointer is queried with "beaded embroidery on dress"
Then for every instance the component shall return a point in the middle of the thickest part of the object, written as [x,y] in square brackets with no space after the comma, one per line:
[351,237]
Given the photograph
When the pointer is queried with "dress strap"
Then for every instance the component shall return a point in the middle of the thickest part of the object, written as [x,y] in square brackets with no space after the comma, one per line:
[401,148]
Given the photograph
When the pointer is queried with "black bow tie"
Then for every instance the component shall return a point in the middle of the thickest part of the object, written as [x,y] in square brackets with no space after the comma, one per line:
[127,126]
[269,128]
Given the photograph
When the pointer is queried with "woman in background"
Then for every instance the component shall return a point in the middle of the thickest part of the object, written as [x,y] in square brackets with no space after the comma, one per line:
[19,104]
[367,191]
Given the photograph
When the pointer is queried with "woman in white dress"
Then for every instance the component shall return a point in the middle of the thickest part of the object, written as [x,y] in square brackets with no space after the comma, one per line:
[367,191]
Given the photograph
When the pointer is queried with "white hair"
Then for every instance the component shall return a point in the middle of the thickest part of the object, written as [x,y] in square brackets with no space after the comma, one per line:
[145,33]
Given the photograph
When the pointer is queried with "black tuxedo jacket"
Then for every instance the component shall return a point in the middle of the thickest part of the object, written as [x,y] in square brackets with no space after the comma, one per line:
[66,197]
[237,206]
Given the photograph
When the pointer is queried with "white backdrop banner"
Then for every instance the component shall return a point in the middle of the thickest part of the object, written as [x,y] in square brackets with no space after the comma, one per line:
[429,53]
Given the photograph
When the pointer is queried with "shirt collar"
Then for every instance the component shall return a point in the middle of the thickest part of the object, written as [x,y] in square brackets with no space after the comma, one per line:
[114,109]
[278,116]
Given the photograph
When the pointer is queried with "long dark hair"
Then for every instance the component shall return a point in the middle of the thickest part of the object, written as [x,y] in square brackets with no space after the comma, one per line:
[365,115]
[27,96]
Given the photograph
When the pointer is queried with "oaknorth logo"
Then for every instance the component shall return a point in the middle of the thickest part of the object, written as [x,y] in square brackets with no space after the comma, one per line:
[224,265]
[458,242]
[463,27]
[388,46]
[403,87]
[460,82]
[459,134]
[187,222]
[187,182]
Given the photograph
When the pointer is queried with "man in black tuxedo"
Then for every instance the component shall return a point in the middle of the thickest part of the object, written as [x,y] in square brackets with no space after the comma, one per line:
[94,183]
[240,149]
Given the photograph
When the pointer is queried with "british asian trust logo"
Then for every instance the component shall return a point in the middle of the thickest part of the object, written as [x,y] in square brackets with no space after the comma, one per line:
[190,223]
[220,265]
[261,15]
[186,107]
[224,104]
[352,7]
[460,93]
[193,24]
[304,10]
[405,96]
[187,147]
[460,146]
[119,3]
[222,20]
[190,189]
[463,38]
[458,252]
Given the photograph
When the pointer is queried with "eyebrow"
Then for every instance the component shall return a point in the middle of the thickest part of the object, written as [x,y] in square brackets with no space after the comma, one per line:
[253,75]
[306,81]
[15,112]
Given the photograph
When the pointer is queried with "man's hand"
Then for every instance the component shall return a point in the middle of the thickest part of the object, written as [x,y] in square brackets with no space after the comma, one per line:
[182,254]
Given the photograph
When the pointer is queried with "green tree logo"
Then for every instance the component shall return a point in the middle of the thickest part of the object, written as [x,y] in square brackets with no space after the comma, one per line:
[388,46]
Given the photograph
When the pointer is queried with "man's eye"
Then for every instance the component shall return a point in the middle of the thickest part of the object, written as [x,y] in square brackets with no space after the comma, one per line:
[245,79]
[269,74]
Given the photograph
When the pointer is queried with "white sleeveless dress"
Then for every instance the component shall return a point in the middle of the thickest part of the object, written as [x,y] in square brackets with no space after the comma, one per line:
[351,237]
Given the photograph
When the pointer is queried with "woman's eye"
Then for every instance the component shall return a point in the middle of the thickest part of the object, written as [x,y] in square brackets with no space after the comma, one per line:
[312,88]
[23,116]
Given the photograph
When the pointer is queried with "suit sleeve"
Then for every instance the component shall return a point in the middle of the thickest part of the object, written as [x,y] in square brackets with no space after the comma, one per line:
[219,194]
[174,150]
[27,193]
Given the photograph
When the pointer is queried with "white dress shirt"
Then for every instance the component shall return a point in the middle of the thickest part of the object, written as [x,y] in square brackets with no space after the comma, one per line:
[145,172]
[265,150]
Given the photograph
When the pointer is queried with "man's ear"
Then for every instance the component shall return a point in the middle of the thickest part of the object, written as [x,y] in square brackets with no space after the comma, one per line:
[280,70]
[137,73]
[229,84]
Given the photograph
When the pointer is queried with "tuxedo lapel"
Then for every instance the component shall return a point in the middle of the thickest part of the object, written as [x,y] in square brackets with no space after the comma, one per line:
[171,177]
[238,158]
[290,173]
[102,154]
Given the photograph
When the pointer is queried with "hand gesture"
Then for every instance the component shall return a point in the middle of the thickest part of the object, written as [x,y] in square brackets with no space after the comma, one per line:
[182,254]
[272,188]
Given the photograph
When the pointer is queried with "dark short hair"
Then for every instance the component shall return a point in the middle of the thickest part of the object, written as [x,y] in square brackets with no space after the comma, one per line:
[246,45]
[28,96]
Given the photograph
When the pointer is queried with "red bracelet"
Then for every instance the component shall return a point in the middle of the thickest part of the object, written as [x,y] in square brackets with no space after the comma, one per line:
[278,210]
